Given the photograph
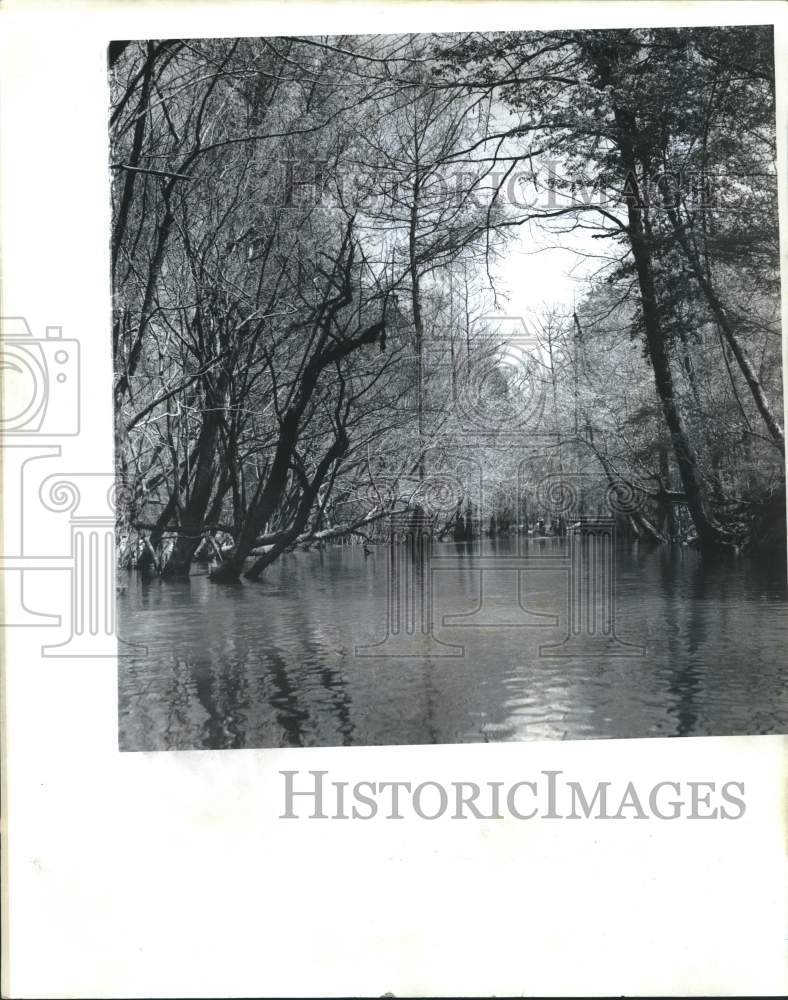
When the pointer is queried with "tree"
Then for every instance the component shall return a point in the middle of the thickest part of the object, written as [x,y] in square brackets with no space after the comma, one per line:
[612,108]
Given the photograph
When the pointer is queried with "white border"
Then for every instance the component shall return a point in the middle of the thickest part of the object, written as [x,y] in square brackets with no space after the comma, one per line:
[169,874]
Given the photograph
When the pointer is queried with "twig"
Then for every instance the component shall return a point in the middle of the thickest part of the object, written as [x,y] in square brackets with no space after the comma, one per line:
[146,170]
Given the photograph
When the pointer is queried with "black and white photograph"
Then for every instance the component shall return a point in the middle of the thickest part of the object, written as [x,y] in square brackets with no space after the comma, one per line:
[448,401]
[393,394]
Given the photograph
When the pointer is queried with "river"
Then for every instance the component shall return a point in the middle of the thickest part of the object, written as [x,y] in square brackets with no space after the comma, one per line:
[302,658]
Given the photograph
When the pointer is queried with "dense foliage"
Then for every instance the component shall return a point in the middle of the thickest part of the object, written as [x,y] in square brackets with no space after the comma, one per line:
[304,250]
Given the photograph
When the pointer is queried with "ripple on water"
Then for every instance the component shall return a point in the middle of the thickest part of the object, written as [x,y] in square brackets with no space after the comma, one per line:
[273,663]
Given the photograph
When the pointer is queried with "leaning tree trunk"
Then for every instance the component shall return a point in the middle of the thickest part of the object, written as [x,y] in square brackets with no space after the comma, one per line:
[262,509]
[632,145]
[261,512]
[308,497]
[710,533]
[745,365]
[192,520]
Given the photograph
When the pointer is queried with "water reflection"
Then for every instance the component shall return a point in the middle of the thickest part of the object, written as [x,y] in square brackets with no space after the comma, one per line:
[273,664]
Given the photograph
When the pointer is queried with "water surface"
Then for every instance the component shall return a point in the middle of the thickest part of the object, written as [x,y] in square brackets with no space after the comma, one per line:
[699,650]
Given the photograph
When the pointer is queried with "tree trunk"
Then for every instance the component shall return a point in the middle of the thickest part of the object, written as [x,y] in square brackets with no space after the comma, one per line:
[335,452]
[719,313]
[667,517]
[193,515]
[710,534]
[418,323]
[262,509]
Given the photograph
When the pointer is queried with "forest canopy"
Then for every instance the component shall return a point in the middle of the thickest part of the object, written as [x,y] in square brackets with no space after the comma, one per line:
[308,332]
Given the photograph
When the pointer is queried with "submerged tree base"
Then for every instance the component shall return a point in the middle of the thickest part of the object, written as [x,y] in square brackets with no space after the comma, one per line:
[224,573]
